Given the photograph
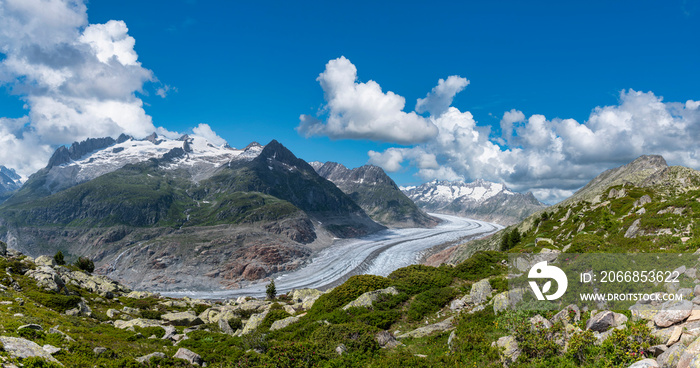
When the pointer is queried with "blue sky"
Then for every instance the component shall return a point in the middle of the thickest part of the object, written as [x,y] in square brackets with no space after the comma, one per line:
[249,70]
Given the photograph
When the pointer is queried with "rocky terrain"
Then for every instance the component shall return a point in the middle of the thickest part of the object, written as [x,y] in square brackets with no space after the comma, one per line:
[481,200]
[371,188]
[173,214]
[642,206]
[9,183]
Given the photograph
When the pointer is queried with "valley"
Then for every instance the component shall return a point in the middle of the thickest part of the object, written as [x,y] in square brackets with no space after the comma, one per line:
[377,254]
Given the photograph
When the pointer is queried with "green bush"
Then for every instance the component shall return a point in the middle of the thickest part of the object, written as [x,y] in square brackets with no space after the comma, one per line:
[348,291]
[417,278]
[58,258]
[199,308]
[36,362]
[55,301]
[272,316]
[159,332]
[151,314]
[85,264]
[481,265]
[235,323]
[357,337]
[430,301]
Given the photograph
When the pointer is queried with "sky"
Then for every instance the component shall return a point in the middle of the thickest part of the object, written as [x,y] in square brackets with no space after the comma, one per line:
[539,95]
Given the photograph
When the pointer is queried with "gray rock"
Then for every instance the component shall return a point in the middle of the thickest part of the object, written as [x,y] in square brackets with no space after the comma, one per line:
[481,291]
[570,313]
[429,329]
[386,340]
[253,322]
[689,354]
[633,230]
[21,348]
[538,322]
[31,326]
[510,351]
[188,355]
[602,321]
[147,358]
[132,311]
[645,363]
[282,323]
[45,261]
[673,312]
[225,327]
[341,349]
[142,295]
[507,299]
[366,299]
[657,350]
[111,313]
[182,319]
[51,349]
[670,357]
[99,350]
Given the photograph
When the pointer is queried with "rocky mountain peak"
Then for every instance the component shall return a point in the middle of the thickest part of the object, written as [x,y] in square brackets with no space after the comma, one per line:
[77,150]
[275,152]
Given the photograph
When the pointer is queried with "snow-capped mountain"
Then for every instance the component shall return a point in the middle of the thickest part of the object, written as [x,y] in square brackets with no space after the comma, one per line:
[10,181]
[371,188]
[480,199]
[87,160]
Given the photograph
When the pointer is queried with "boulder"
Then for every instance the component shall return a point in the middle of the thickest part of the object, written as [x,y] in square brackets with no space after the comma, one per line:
[188,355]
[21,348]
[386,340]
[141,322]
[673,312]
[112,313]
[210,315]
[602,321]
[282,323]
[31,326]
[225,327]
[45,261]
[645,363]
[51,349]
[147,358]
[689,354]
[507,299]
[481,291]
[47,278]
[366,299]
[253,322]
[570,313]
[182,319]
[510,351]
[142,295]
[538,322]
[442,326]
[675,335]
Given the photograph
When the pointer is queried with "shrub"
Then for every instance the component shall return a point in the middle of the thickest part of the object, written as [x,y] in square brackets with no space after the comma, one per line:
[151,314]
[58,258]
[55,301]
[36,362]
[199,308]
[430,301]
[349,291]
[481,265]
[272,316]
[235,323]
[417,278]
[159,332]
[85,264]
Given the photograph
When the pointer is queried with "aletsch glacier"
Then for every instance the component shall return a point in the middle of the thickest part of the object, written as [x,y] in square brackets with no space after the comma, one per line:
[377,254]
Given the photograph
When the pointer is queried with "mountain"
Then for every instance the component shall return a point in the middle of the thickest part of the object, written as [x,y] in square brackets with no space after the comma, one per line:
[645,205]
[180,214]
[9,182]
[480,199]
[371,188]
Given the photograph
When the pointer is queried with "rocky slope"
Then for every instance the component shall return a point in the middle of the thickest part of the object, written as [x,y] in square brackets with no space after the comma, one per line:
[376,193]
[173,214]
[642,206]
[9,183]
[480,199]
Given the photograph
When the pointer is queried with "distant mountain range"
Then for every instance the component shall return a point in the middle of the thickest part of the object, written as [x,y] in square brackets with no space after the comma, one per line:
[480,199]
[170,214]
[371,188]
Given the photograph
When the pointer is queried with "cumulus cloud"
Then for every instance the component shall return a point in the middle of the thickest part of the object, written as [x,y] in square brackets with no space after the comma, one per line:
[204,131]
[356,110]
[555,157]
[440,98]
[78,80]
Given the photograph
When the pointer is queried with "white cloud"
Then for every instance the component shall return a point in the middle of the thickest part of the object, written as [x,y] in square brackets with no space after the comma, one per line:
[78,80]
[357,110]
[204,131]
[555,157]
[440,98]
[165,90]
